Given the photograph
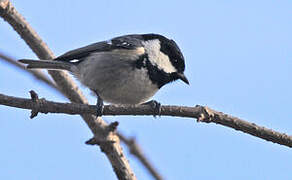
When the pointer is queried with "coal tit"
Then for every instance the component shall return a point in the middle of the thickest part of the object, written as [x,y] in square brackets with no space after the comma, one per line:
[128,69]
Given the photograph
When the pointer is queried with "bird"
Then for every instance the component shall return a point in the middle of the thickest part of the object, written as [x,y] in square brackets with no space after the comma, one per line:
[125,70]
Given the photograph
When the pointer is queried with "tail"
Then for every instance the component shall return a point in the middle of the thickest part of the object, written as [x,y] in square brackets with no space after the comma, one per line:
[46,64]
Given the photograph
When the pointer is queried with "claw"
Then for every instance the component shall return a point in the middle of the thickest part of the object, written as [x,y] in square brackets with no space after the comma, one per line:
[99,105]
[156,106]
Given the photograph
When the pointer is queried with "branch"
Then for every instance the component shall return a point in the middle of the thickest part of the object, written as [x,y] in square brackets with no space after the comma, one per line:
[201,113]
[67,86]
[137,152]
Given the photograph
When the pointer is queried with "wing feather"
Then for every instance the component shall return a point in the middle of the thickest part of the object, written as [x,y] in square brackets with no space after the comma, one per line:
[122,42]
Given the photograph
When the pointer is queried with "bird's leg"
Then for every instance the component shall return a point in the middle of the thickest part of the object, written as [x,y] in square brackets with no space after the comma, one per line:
[156,106]
[99,105]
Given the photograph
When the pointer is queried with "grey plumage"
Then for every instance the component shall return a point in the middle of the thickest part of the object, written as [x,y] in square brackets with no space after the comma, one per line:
[115,78]
[111,74]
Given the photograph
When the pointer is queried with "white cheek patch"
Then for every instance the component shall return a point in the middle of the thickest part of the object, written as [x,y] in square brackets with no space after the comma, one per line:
[156,57]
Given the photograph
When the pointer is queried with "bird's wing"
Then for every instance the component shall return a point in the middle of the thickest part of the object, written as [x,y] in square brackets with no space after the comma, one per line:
[123,42]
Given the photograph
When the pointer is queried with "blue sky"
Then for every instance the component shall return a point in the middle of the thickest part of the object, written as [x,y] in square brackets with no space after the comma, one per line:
[238,60]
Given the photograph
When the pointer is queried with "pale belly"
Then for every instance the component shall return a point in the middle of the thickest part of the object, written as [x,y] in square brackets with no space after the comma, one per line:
[122,85]
[134,90]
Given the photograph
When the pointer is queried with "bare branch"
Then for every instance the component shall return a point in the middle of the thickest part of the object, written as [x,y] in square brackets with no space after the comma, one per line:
[201,113]
[137,152]
[67,86]
[36,73]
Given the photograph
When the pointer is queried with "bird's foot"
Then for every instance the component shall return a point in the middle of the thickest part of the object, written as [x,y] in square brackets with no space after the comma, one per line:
[99,109]
[99,106]
[156,106]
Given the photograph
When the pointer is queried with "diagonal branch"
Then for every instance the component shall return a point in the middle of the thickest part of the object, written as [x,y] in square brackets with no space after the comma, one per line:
[201,113]
[67,86]
[137,152]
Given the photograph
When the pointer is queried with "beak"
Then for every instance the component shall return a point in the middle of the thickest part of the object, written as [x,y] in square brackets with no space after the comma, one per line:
[183,78]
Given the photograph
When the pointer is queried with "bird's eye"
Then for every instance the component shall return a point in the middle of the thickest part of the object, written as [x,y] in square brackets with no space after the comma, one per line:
[175,61]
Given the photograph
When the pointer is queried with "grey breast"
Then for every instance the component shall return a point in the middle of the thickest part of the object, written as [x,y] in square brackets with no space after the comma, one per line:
[114,76]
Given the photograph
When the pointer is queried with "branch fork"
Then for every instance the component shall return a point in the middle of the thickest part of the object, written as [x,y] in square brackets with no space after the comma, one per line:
[206,114]
[111,128]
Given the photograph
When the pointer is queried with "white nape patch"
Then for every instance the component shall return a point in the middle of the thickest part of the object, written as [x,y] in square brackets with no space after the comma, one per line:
[156,57]
[135,53]
[74,60]
[140,51]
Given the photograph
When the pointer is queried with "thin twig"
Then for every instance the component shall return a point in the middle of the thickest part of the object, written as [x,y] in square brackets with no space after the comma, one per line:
[36,73]
[201,113]
[67,86]
[135,150]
